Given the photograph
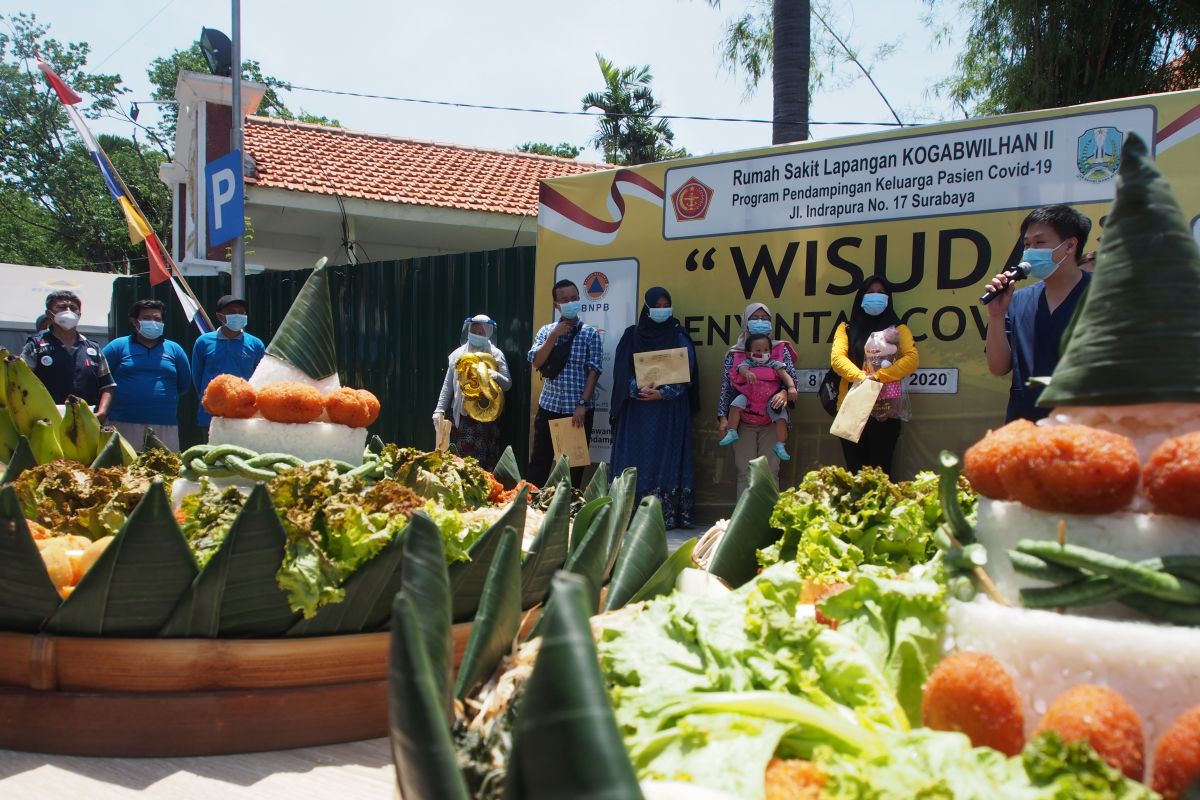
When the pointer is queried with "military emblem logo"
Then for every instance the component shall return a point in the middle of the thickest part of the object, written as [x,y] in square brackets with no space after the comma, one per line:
[691,200]
[1098,154]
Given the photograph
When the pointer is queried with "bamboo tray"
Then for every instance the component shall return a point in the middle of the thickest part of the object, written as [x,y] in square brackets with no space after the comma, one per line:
[193,697]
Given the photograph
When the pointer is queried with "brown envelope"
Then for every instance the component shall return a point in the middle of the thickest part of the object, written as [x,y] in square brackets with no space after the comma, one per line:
[569,441]
[662,367]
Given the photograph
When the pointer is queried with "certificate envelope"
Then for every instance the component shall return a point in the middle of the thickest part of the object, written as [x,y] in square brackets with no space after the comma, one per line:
[569,441]
[662,367]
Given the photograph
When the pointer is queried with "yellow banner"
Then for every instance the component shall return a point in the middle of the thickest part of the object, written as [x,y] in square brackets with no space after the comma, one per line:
[935,209]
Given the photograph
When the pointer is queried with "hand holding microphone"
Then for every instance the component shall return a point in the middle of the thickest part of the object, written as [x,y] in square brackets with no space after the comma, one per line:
[1005,279]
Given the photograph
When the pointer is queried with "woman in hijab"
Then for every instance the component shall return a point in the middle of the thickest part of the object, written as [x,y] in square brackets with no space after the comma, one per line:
[652,425]
[754,440]
[476,429]
[872,313]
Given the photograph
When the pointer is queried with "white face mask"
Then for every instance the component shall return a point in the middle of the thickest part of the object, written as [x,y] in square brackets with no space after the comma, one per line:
[66,319]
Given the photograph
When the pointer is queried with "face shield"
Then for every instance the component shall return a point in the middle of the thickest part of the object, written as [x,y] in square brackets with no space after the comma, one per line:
[478,331]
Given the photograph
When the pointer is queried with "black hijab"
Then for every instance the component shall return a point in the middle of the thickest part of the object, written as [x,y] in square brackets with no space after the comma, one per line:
[861,324]
[645,336]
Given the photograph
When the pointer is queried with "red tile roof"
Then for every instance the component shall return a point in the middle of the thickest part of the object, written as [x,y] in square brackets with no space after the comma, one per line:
[325,160]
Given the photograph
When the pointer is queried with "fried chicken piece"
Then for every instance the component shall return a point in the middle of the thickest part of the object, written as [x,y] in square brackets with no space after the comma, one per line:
[794,780]
[290,401]
[1072,469]
[1171,477]
[1105,720]
[982,459]
[230,396]
[1177,757]
[973,694]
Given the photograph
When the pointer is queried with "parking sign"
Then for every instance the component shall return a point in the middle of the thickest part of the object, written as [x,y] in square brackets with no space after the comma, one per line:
[225,195]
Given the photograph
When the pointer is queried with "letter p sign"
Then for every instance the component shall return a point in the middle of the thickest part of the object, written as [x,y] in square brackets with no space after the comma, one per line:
[226,200]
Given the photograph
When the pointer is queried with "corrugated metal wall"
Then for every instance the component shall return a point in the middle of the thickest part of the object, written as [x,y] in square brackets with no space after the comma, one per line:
[396,321]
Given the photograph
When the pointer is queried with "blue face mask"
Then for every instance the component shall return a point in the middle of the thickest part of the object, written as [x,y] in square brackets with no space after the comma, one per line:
[1041,261]
[874,303]
[477,340]
[150,328]
[660,314]
[570,310]
[235,322]
[762,326]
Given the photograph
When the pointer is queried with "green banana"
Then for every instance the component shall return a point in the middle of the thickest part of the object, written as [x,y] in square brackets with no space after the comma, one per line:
[3,380]
[28,400]
[79,432]
[44,441]
[8,436]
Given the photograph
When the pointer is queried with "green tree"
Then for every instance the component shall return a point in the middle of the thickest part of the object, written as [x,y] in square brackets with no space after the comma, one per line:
[627,133]
[562,149]
[1021,55]
[164,72]
[56,205]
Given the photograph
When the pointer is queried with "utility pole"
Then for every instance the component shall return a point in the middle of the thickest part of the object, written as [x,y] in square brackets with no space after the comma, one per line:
[237,269]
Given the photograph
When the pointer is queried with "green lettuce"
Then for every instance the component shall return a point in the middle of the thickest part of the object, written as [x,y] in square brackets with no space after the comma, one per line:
[1064,771]
[454,483]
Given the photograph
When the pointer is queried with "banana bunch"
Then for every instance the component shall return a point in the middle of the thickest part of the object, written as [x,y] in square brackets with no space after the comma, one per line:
[27,409]
[483,397]
[79,432]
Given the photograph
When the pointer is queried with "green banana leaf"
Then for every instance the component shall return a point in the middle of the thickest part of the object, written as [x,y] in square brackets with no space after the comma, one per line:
[624,495]
[561,472]
[27,595]
[22,459]
[152,442]
[598,485]
[549,549]
[367,605]
[498,620]
[112,454]
[583,520]
[422,748]
[642,553]
[565,740]
[467,577]
[664,578]
[507,471]
[424,579]
[136,583]
[375,445]
[586,561]
[306,338]
[735,560]
[236,593]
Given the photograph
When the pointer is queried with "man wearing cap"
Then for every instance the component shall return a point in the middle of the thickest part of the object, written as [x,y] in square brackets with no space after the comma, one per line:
[65,360]
[229,350]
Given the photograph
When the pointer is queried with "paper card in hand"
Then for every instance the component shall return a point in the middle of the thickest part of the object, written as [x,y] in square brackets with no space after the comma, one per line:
[852,416]
[662,367]
[569,441]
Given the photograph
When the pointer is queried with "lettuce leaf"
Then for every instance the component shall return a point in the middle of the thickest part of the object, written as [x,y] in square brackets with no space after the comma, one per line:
[1065,771]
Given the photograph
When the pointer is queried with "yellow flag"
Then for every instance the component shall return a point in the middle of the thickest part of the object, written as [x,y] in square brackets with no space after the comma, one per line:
[139,229]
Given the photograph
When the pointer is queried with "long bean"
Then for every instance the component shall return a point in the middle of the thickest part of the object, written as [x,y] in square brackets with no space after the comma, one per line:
[1146,580]
[1184,566]
[950,467]
[1034,567]
[1084,592]
[1176,613]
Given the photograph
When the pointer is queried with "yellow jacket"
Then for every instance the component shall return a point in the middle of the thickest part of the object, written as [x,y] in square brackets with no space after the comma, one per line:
[905,364]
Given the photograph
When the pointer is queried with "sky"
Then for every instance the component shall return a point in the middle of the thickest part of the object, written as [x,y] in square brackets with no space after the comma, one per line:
[526,53]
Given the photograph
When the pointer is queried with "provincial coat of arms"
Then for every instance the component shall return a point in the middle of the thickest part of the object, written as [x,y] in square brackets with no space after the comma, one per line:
[1098,154]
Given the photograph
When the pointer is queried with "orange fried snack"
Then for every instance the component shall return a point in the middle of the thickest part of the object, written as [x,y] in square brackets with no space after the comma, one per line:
[351,407]
[973,694]
[982,459]
[793,780]
[230,396]
[1171,477]
[1177,757]
[1072,469]
[289,401]
[1105,720]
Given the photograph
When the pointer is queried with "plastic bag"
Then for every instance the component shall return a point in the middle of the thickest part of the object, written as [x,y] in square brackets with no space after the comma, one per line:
[880,351]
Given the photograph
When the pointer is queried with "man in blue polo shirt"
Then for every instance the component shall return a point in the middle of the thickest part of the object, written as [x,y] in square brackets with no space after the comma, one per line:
[65,360]
[152,373]
[228,350]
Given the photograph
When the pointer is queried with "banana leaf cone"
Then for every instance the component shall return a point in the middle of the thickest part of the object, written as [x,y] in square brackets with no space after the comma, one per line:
[27,595]
[624,495]
[507,471]
[598,485]
[425,580]
[306,337]
[560,472]
[565,740]
[467,577]
[138,580]
[663,580]
[586,561]
[236,594]
[583,520]
[1136,336]
[736,558]
[22,459]
[116,451]
[422,747]
[642,553]
[548,552]
[152,442]
[498,620]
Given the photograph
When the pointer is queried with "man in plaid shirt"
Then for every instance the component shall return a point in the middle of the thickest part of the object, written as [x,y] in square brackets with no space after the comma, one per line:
[570,392]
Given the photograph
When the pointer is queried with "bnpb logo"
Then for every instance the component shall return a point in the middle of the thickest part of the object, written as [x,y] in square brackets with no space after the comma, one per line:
[691,200]
[595,285]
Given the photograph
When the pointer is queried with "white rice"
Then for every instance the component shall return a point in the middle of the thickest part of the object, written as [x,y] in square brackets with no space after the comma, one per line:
[273,370]
[311,441]
[1155,667]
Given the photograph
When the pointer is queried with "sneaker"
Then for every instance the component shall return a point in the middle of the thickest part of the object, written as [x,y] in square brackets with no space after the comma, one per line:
[730,438]
[781,452]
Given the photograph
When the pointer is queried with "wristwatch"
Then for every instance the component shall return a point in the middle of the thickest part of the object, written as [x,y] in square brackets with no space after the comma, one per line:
[581,403]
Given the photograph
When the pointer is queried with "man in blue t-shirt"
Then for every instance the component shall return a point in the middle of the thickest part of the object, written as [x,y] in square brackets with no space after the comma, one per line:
[1025,328]
[228,350]
[152,373]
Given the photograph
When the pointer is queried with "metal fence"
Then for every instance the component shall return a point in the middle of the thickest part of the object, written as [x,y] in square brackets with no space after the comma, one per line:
[396,323]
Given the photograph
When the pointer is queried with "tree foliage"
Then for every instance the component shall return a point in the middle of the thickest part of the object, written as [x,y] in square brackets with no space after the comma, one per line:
[562,149]
[1021,55]
[627,132]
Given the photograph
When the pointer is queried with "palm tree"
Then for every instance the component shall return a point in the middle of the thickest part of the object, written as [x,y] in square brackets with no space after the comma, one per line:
[791,57]
[628,132]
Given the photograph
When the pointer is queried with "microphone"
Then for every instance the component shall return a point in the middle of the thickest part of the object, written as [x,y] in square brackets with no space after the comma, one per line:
[1011,276]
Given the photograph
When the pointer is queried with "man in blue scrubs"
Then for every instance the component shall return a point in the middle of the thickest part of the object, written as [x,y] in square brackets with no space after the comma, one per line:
[229,350]
[152,373]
